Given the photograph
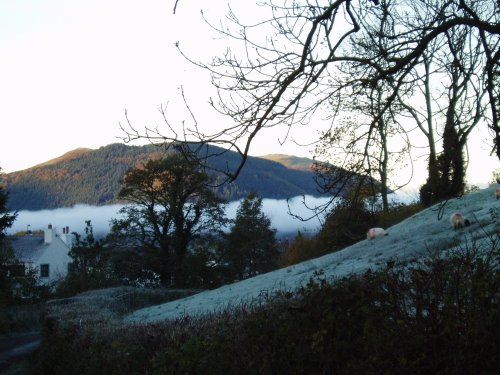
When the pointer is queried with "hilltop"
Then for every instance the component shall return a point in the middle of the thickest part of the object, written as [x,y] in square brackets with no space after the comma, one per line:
[94,177]
[414,238]
[73,154]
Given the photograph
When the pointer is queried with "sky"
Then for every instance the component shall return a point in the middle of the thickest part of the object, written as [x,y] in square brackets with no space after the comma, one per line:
[71,68]
[414,238]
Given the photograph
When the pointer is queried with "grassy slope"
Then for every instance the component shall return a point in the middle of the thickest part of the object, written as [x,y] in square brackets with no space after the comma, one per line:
[415,237]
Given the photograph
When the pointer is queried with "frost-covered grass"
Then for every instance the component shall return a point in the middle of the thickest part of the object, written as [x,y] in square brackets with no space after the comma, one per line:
[413,238]
[107,306]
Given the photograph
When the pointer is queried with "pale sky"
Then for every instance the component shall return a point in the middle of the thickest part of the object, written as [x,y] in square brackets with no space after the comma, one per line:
[70,68]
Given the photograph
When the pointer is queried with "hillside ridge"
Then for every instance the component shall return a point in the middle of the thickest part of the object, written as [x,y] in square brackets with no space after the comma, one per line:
[66,156]
[94,177]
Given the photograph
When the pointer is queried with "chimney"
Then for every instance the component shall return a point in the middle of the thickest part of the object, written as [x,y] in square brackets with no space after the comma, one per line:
[48,234]
[67,237]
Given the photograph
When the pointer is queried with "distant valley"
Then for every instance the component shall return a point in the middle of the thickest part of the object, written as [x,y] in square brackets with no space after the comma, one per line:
[94,177]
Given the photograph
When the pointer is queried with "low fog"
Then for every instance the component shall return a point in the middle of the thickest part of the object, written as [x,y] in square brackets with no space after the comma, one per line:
[278,210]
[100,216]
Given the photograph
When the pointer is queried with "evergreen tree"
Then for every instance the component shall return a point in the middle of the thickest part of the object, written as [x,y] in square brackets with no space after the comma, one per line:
[6,253]
[89,258]
[6,218]
[252,244]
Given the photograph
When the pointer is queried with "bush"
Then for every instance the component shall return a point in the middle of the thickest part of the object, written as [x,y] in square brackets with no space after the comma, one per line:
[19,317]
[75,283]
[300,249]
[438,315]
[397,213]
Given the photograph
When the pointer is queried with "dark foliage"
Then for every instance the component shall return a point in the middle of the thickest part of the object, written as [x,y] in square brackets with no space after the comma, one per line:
[90,267]
[252,247]
[439,315]
[7,258]
[170,203]
[6,217]
[19,317]
[448,181]
[345,225]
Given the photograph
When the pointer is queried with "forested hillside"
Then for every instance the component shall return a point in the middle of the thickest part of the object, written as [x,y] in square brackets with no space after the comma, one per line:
[94,177]
[290,161]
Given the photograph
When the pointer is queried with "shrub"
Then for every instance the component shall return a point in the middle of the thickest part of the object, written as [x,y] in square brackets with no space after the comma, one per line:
[300,249]
[19,318]
[397,212]
[437,315]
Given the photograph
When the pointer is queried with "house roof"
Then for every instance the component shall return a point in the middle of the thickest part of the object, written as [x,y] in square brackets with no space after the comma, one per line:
[27,248]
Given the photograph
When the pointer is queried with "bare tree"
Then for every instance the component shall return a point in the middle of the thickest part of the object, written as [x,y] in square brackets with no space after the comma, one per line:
[370,141]
[461,105]
[360,154]
[284,75]
[453,59]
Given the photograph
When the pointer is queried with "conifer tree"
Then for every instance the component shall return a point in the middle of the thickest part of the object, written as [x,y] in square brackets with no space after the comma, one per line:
[6,218]
[252,244]
[6,252]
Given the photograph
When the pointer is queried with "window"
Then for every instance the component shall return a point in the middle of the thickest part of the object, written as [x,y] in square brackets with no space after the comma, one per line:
[44,270]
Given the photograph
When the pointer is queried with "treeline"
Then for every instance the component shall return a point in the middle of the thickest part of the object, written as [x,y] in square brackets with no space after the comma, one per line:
[95,177]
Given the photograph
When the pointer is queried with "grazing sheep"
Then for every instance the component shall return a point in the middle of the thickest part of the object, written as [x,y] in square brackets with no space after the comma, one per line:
[458,221]
[375,232]
[497,193]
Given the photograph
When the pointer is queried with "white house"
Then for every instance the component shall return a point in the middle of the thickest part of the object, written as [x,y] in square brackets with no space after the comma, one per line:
[47,253]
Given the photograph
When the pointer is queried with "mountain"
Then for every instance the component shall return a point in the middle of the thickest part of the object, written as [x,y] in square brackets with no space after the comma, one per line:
[419,236]
[95,177]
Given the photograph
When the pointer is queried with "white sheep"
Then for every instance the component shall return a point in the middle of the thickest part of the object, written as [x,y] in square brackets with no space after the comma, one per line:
[497,193]
[375,232]
[458,221]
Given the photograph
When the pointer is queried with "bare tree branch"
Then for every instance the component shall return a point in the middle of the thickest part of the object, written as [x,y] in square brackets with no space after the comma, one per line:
[284,70]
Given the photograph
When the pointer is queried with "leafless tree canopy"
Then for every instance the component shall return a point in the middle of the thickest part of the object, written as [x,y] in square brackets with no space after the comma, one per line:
[291,67]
